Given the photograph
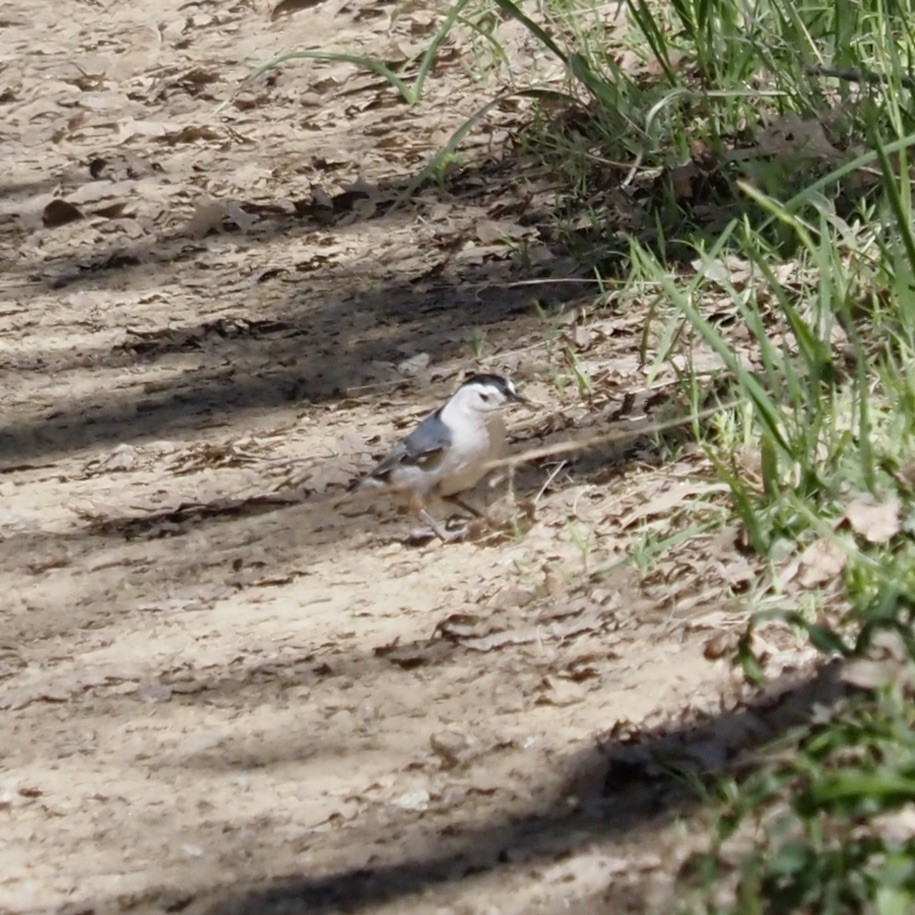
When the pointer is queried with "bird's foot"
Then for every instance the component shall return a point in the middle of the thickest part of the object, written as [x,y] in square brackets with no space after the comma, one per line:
[465,506]
[435,529]
[420,536]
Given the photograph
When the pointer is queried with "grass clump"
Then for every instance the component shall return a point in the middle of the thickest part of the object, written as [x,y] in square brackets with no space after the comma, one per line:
[817,390]
[826,825]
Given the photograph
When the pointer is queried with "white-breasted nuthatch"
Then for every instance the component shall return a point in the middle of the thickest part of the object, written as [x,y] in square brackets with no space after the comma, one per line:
[450,450]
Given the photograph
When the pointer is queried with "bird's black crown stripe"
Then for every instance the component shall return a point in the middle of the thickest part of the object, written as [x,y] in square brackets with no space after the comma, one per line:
[494,381]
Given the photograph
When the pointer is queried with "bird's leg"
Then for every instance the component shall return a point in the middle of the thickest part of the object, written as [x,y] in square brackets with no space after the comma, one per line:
[418,507]
[444,535]
[460,503]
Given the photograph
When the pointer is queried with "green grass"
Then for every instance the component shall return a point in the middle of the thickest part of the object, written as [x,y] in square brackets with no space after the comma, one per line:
[827,820]
[710,164]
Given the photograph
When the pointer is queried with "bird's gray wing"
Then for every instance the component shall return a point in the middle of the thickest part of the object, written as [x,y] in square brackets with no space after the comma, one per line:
[423,446]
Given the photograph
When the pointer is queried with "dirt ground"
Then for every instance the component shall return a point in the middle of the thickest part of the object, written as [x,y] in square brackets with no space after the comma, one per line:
[219,690]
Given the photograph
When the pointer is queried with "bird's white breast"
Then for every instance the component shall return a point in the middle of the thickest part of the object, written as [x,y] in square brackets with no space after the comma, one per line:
[476,440]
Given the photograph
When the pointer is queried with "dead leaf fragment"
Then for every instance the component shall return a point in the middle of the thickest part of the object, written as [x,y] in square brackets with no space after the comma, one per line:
[59,212]
[17,698]
[191,134]
[578,337]
[211,215]
[153,692]
[897,826]
[491,231]
[288,7]
[791,136]
[413,800]
[869,673]
[451,747]
[553,585]
[413,365]
[822,561]
[123,459]
[511,596]
[719,645]
[876,522]
[682,180]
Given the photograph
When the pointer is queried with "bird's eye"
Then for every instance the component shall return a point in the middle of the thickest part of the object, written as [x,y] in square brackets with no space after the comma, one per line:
[485,396]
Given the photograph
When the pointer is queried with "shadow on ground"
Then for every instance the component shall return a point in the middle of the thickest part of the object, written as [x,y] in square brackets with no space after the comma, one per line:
[313,347]
[307,331]
[620,790]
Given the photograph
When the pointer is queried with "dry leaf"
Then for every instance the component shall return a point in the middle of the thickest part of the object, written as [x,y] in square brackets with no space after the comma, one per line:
[491,231]
[579,337]
[673,496]
[682,179]
[59,212]
[866,673]
[59,691]
[153,692]
[876,522]
[288,7]
[452,747]
[719,645]
[822,561]
[414,364]
[211,215]
[413,800]
[793,136]
[896,826]
[510,597]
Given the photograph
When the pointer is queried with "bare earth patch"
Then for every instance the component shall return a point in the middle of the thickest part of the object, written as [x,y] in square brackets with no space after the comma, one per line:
[219,691]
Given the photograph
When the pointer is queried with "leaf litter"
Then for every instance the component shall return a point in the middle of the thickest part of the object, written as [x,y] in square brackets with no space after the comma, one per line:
[212,323]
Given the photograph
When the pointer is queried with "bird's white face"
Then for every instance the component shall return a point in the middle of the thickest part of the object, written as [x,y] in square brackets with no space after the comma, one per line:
[486,398]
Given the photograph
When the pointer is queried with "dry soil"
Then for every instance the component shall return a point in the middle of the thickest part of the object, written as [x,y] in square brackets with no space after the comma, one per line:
[220,690]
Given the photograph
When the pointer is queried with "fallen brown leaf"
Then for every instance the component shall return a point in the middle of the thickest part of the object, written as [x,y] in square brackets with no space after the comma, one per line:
[59,212]
[822,561]
[288,7]
[876,522]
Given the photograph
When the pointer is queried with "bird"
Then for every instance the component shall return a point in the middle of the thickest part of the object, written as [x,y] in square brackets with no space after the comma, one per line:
[450,450]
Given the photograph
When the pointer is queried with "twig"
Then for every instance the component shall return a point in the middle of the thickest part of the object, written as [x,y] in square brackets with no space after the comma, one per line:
[851,75]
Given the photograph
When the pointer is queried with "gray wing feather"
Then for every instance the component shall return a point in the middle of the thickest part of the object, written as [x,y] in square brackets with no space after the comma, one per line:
[427,441]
